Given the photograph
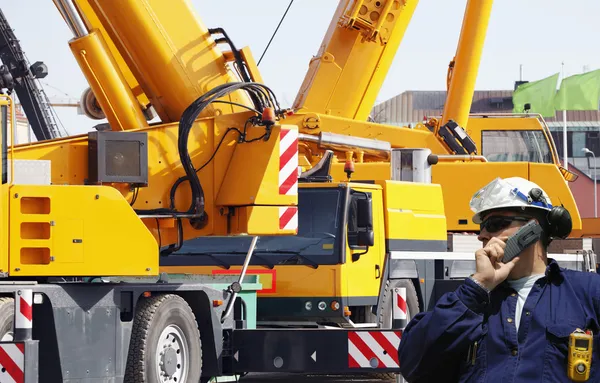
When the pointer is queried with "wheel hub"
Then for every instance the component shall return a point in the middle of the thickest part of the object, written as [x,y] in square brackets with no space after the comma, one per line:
[169,361]
[171,356]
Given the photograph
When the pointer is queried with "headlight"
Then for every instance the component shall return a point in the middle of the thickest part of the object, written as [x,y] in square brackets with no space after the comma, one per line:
[322,305]
[308,306]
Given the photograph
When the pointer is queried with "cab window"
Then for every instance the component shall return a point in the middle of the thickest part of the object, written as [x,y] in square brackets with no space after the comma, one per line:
[515,146]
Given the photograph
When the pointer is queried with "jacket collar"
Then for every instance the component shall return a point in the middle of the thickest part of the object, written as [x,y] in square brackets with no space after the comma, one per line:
[553,273]
[553,270]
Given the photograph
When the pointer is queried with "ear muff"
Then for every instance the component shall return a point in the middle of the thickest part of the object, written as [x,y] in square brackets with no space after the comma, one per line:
[558,218]
[560,222]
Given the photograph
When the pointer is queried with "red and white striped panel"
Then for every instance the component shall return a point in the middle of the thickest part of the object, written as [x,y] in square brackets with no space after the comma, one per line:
[12,362]
[288,162]
[399,303]
[373,349]
[24,311]
[288,218]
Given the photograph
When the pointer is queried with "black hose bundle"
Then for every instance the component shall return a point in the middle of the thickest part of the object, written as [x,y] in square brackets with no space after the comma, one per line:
[262,98]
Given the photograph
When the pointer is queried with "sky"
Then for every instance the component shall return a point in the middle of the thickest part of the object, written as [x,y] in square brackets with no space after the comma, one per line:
[540,35]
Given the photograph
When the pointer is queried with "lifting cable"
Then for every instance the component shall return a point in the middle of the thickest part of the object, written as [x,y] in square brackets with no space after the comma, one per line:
[274,33]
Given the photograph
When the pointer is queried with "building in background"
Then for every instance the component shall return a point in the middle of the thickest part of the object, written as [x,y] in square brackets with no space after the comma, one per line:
[22,130]
[583,131]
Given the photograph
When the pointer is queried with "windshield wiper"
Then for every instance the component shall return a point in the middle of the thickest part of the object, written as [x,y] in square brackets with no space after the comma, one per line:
[226,265]
[295,256]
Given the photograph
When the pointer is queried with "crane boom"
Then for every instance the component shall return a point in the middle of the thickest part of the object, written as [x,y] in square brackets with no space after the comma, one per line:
[465,66]
[16,74]
[345,77]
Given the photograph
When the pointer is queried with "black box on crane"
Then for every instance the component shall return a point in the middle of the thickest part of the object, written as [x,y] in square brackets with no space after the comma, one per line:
[118,157]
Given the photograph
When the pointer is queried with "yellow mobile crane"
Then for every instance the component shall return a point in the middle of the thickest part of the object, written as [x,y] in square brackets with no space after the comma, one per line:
[345,76]
[340,269]
[222,161]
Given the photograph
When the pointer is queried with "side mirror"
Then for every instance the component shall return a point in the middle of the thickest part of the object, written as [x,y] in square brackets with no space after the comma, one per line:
[364,216]
[366,238]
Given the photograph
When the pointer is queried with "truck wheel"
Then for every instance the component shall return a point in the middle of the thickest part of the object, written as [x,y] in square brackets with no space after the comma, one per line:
[7,314]
[165,342]
[385,310]
[387,300]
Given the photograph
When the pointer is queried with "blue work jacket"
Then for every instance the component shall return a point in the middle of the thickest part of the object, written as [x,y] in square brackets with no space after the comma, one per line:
[470,336]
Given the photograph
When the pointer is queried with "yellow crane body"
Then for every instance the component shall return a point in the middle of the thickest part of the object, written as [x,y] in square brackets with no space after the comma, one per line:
[137,187]
[251,210]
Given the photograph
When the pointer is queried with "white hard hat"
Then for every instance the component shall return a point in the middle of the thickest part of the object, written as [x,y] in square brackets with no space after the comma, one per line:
[507,193]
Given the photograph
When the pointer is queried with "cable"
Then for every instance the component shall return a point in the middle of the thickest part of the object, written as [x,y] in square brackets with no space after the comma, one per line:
[185,178]
[237,104]
[218,146]
[135,195]
[262,96]
[274,33]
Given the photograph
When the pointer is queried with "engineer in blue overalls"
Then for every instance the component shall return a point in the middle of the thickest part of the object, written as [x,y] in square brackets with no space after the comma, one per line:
[508,322]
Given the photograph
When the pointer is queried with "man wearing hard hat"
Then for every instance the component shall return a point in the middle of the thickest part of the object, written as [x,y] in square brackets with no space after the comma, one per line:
[526,320]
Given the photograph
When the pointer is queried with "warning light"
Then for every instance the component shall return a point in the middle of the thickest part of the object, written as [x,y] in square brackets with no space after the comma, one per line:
[335,306]
[349,168]
[147,294]
[217,303]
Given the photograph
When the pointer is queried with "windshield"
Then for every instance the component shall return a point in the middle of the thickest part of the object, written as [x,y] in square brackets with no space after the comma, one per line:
[515,146]
[318,232]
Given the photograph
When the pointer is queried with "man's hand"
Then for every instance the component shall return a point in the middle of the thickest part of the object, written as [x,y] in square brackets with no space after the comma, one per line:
[490,271]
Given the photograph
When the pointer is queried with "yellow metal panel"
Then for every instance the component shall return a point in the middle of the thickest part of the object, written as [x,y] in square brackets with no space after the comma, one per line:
[414,211]
[590,227]
[93,231]
[362,171]
[281,281]
[277,158]
[303,281]
[461,180]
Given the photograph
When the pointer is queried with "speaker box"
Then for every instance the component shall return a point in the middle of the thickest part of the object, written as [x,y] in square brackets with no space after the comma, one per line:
[118,157]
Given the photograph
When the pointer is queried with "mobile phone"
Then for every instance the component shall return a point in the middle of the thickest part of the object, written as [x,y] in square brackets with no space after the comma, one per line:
[524,237]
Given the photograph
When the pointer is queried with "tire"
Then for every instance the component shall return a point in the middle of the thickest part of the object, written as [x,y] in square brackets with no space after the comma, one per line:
[384,314]
[164,322]
[7,317]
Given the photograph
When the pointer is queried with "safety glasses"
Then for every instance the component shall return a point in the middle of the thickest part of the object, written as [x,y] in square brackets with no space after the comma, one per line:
[497,223]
